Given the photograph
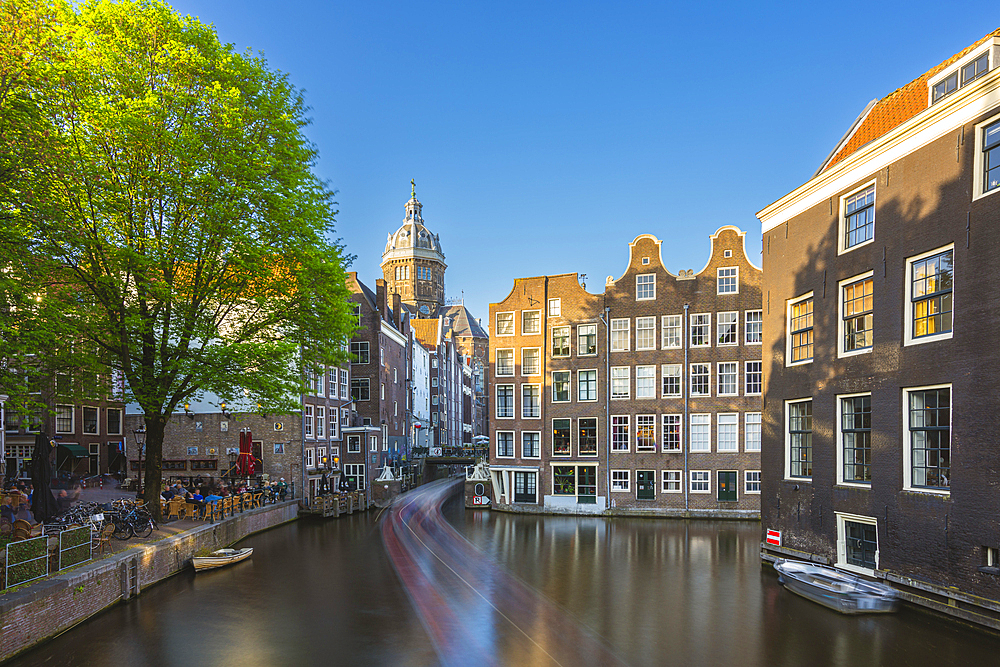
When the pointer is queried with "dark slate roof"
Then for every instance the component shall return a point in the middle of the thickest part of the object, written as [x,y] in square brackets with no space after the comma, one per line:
[461,321]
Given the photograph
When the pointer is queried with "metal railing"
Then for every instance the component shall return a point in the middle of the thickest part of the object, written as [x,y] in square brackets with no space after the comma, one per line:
[27,560]
[74,547]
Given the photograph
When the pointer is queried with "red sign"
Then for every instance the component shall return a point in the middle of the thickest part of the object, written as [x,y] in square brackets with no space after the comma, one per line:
[774,537]
[480,500]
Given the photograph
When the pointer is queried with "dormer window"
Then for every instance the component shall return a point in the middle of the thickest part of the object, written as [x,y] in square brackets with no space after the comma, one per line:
[960,77]
[976,69]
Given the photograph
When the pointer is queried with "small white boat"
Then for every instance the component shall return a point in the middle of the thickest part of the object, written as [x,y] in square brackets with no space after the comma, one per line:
[846,593]
[220,558]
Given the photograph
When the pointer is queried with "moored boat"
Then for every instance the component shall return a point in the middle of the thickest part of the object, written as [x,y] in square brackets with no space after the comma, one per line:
[838,590]
[220,558]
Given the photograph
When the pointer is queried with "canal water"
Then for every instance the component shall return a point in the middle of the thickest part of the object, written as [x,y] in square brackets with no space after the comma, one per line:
[522,590]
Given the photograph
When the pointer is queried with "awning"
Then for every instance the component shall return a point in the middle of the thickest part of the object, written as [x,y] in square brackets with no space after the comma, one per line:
[77,451]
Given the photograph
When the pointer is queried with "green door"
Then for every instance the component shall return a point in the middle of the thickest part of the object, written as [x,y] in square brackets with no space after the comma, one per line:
[644,484]
[727,486]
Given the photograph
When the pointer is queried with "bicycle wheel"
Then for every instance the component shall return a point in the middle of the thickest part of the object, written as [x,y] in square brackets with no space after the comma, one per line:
[123,530]
[143,528]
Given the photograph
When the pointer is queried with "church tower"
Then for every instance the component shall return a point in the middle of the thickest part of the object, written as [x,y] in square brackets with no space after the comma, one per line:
[413,263]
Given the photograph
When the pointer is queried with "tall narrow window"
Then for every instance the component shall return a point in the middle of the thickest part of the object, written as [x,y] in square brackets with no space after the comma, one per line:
[531,405]
[991,157]
[800,438]
[531,322]
[645,287]
[645,381]
[560,341]
[620,382]
[645,433]
[800,325]
[505,443]
[859,217]
[930,438]
[671,436]
[857,314]
[586,344]
[671,380]
[672,331]
[700,380]
[504,362]
[727,437]
[587,441]
[555,307]
[728,281]
[620,335]
[560,386]
[701,433]
[587,385]
[701,330]
[560,438]
[505,401]
[505,324]
[855,434]
[727,325]
[751,432]
[930,294]
[645,333]
[754,326]
[620,433]
[531,361]
[754,378]
[531,444]
[727,379]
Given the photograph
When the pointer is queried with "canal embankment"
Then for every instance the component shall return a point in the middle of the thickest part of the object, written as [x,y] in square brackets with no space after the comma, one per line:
[46,608]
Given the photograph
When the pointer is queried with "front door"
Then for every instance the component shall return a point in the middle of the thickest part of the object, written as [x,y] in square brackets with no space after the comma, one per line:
[727,486]
[645,485]
[862,543]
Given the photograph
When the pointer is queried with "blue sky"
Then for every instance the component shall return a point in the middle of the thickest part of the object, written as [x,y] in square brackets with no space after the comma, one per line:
[544,137]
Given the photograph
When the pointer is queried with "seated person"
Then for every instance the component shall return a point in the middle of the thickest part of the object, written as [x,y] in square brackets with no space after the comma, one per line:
[197,495]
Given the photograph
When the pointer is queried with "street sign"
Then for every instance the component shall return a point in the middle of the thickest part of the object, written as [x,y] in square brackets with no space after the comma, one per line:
[435,451]
[774,537]
[480,500]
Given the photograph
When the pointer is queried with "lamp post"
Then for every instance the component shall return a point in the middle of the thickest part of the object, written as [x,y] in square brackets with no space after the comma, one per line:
[140,443]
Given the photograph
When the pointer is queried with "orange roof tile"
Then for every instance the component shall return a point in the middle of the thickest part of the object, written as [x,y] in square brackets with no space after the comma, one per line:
[898,107]
[426,332]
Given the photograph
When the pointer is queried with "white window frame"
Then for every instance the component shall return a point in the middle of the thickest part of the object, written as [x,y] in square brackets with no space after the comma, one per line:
[524,329]
[676,477]
[353,444]
[708,384]
[734,315]
[650,421]
[538,353]
[649,329]
[555,307]
[320,421]
[621,481]
[637,286]
[513,412]
[907,447]
[310,457]
[747,481]
[524,403]
[617,373]
[539,443]
[569,382]
[345,384]
[842,218]
[735,277]
[703,420]
[121,424]
[747,375]
[650,378]
[667,323]
[626,421]
[732,419]
[707,325]
[513,323]
[674,371]
[840,439]
[746,327]
[513,362]
[622,332]
[788,330]
[580,348]
[842,351]
[308,422]
[83,420]
[675,420]
[842,563]
[908,338]
[569,341]
[597,435]
[707,480]
[788,439]
[579,394]
[736,378]
[757,419]
[978,189]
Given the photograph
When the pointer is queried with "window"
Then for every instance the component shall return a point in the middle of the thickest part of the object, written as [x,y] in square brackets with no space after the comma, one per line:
[586,385]
[424,273]
[800,326]
[525,490]
[560,437]
[331,382]
[360,351]
[560,386]
[355,474]
[620,433]
[855,438]
[586,344]
[727,325]
[976,69]
[402,273]
[310,457]
[645,287]
[989,157]
[505,444]
[645,381]
[701,433]
[621,480]
[620,336]
[727,436]
[320,421]
[699,380]
[645,433]
[344,378]
[946,86]
[671,481]
[620,382]
[751,432]
[504,363]
[799,421]
[856,315]
[754,374]
[334,431]
[434,381]
[751,481]
[114,425]
[859,218]
[587,442]
[64,419]
[929,290]
[308,425]
[929,428]
[727,379]
[318,389]
[531,405]
[857,543]
[700,481]
[701,330]
[671,380]
[531,322]
[505,324]
[672,331]
[754,327]
[560,342]
[531,361]
[728,280]
[531,447]
[645,333]
[90,421]
[434,399]
[505,401]
[381,391]
[671,433]
[354,444]
[579,481]
[555,307]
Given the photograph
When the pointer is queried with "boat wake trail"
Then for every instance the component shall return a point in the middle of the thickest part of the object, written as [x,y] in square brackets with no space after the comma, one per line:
[475,611]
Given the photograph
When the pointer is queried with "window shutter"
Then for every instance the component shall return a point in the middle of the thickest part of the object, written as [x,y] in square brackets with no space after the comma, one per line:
[841,552]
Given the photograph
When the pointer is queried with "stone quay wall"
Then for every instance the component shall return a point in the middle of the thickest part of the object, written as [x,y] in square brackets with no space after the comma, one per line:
[39,611]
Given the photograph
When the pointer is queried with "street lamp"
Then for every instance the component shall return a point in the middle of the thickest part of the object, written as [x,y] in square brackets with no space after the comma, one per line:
[140,443]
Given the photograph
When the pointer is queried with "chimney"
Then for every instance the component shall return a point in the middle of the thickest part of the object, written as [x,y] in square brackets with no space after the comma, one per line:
[397,306]
[380,298]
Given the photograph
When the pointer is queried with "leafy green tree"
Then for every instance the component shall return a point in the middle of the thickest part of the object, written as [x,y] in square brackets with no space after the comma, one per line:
[176,225]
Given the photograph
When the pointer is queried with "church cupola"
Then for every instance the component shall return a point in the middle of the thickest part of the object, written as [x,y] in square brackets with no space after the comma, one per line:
[413,263]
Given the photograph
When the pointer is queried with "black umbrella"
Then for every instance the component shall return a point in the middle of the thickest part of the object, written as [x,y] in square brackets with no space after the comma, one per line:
[43,503]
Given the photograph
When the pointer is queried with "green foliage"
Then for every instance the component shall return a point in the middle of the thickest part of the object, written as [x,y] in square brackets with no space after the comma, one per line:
[27,560]
[174,234]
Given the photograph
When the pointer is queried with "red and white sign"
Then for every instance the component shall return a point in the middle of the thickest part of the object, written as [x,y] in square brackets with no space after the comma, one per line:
[480,500]
[774,537]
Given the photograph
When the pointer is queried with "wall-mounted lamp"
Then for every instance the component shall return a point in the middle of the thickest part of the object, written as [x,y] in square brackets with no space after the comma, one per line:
[222,406]
[187,411]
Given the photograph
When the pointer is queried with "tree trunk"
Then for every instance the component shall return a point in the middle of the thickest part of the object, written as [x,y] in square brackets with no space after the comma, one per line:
[153,478]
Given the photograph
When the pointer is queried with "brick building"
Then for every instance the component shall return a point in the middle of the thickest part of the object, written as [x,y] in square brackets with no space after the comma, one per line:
[643,399]
[881,349]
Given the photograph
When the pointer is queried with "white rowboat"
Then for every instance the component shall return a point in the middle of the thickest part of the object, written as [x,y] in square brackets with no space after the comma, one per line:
[835,589]
[220,558]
